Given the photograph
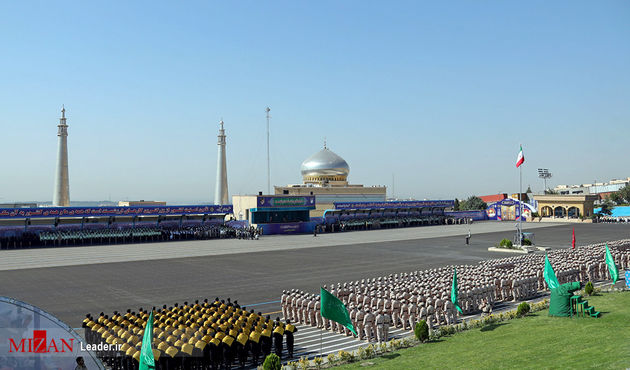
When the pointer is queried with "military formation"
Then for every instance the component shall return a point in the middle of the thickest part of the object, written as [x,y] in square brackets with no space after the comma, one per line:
[119,234]
[200,335]
[401,300]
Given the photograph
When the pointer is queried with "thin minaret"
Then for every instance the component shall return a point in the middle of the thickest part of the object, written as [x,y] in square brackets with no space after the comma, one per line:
[61,197]
[221,188]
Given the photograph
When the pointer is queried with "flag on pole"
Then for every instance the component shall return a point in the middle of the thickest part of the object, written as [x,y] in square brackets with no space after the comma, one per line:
[612,268]
[573,240]
[454,291]
[550,275]
[147,361]
[520,159]
[333,309]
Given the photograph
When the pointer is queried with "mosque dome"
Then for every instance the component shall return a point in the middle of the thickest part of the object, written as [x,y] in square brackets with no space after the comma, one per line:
[325,166]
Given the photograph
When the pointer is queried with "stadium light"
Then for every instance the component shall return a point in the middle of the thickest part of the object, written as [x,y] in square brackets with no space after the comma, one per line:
[544,174]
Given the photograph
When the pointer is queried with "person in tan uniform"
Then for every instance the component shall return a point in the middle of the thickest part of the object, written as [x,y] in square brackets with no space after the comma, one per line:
[380,326]
[368,324]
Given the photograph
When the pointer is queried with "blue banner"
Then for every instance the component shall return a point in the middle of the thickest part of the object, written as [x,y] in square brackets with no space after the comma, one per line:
[286,201]
[288,228]
[49,212]
[475,215]
[401,204]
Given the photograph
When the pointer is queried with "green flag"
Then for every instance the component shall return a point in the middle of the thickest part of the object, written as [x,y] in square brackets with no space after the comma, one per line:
[147,361]
[333,309]
[454,292]
[612,268]
[549,275]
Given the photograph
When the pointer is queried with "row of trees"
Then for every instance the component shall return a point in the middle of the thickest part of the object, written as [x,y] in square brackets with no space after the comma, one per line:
[621,196]
[473,203]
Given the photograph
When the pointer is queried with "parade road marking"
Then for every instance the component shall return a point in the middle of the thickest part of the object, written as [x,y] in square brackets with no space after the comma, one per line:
[260,304]
[271,313]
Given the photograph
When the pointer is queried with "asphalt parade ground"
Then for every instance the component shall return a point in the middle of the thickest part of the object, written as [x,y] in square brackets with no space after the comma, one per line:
[70,282]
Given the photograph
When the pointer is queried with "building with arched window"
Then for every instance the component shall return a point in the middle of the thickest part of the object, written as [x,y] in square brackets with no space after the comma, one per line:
[565,207]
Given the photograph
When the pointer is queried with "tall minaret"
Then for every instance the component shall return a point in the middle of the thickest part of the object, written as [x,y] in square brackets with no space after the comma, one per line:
[61,197]
[221,188]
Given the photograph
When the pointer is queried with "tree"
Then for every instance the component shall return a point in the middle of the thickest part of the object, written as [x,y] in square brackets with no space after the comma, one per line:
[615,198]
[473,203]
[623,195]
[550,191]
[456,206]
[606,209]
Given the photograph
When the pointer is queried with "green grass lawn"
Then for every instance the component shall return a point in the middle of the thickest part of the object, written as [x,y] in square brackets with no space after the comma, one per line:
[536,341]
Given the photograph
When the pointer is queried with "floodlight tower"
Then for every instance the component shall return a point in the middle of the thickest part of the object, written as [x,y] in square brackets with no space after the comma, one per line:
[544,174]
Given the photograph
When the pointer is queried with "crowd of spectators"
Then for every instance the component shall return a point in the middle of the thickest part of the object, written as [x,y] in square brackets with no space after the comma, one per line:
[375,223]
[610,219]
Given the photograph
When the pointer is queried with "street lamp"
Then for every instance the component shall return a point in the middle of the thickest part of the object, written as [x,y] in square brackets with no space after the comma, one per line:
[544,174]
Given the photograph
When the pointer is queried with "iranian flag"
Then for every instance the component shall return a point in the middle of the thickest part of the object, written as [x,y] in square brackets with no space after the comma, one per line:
[520,159]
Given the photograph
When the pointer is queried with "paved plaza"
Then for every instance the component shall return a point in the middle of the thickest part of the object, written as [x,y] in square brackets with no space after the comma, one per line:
[253,272]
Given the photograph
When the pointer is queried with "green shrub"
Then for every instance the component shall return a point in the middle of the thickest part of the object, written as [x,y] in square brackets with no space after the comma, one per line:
[369,351]
[422,331]
[588,289]
[527,242]
[272,362]
[318,362]
[505,243]
[332,358]
[522,309]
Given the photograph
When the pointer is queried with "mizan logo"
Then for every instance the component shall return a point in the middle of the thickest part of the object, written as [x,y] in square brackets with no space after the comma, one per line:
[40,344]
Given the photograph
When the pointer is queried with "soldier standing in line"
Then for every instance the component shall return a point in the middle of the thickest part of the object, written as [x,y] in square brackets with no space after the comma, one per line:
[387,321]
[380,323]
[360,317]
[284,304]
[216,353]
[241,348]
[254,345]
[288,331]
[413,312]
[368,324]
[311,311]
[265,340]
[396,311]
[278,334]
[404,314]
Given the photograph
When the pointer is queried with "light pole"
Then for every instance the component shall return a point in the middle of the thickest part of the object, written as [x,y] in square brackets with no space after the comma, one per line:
[268,167]
[544,174]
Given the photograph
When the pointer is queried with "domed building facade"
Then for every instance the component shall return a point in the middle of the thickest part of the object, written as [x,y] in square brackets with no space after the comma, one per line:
[325,167]
[325,175]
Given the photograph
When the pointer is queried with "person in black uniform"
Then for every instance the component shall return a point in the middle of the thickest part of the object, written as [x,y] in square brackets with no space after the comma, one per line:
[265,340]
[254,346]
[288,331]
[241,348]
[278,333]
[227,345]
[216,353]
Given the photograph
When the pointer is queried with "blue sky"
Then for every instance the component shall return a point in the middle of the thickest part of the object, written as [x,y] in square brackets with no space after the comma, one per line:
[440,94]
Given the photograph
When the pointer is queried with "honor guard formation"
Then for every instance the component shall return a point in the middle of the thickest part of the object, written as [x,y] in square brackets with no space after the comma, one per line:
[201,335]
[401,300]
[75,235]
